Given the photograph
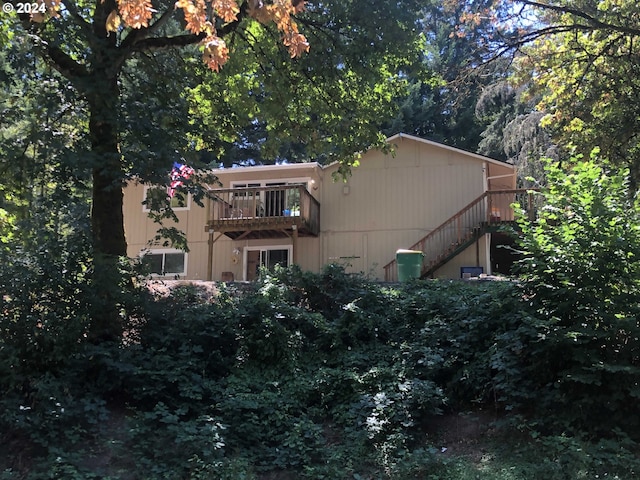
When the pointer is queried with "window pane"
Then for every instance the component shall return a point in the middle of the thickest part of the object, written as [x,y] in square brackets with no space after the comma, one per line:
[156,198]
[277,257]
[153,261]
[173,263]
[178,201]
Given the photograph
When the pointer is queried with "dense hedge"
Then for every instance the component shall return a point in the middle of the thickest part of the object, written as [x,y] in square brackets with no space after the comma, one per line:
[320,375]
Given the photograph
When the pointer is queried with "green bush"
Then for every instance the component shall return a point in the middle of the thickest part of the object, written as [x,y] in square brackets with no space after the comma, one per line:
[305,376]
[581,276]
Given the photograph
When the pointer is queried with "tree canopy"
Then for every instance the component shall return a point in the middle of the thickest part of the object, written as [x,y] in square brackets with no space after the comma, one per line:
[131,89]
[441,101]
[579,61]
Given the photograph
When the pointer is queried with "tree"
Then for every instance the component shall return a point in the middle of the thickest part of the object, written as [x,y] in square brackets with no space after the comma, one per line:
[442,95]
[337,93]
[40,144]
[580,271]
[513,131]
[580,59]
[93,44]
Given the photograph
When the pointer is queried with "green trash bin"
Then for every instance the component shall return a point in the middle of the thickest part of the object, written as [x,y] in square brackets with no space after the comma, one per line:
[409,264]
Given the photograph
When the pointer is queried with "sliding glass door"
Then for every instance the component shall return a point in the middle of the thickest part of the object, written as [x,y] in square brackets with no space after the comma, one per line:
[268,257]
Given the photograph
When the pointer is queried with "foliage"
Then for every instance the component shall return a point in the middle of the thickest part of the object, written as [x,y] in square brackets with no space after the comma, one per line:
[312,375]
[443,93]
[39,143]
[572,57]
[45,296]
[513,131]
[580,275]
[327,105]
[560,61]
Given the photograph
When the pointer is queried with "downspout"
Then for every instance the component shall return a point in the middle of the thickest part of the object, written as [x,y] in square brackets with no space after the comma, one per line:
[488,251]
[210,257]
[487,236]
[485,177]
[210,249]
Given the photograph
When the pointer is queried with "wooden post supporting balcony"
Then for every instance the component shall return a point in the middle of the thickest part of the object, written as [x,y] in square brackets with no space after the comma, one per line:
[294,245]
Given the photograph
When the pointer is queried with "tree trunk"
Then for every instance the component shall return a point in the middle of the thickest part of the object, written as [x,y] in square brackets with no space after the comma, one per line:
[109,243]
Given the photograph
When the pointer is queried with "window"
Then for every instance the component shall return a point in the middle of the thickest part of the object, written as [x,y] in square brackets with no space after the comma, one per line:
[244,203]
[166,262]
[274,202]
[179,201]
[157,197]
[269,257]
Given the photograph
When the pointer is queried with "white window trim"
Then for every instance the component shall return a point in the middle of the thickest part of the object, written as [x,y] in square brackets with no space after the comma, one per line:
[146,209]
[245,250]
[157,251]
[263,183]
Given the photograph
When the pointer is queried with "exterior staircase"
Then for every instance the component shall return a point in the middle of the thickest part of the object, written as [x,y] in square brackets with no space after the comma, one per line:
[485,214]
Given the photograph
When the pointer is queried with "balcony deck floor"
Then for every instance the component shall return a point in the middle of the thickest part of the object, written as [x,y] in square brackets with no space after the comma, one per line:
[262,227]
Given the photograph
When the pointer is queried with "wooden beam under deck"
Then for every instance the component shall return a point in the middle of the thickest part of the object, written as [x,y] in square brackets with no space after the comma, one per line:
[246,229]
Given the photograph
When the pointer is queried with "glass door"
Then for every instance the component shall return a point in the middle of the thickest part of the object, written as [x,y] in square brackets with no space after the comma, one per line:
[268,257]
[271,258]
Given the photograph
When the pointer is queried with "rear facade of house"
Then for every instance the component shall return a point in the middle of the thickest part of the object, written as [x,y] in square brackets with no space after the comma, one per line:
[422,195]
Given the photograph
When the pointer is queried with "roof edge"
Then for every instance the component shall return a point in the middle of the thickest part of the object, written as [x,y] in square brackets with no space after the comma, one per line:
[433,143]
[281,166]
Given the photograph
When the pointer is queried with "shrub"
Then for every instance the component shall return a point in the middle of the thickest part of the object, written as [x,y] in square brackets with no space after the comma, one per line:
[581,275]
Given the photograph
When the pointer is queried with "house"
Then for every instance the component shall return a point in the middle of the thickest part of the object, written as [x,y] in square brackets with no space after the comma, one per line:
[425,195]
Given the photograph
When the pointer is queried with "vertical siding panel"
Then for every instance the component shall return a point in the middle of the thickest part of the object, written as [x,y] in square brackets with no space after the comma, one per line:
[392,203]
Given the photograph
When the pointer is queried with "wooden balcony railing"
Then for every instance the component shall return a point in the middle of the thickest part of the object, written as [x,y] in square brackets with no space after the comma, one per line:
[264,212]
[483,214]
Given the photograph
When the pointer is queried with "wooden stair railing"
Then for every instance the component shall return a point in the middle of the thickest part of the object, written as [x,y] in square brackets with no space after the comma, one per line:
[449,239]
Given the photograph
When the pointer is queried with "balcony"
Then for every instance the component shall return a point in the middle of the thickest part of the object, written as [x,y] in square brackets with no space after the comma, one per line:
[264,212]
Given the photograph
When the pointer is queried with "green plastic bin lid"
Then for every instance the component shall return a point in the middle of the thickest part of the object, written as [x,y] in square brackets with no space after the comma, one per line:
[409,251]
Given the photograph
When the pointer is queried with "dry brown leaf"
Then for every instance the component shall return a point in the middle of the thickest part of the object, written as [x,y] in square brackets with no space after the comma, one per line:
[227,10]
[113,21]
[195,14]
[135,13]
[215,52]
[296,43]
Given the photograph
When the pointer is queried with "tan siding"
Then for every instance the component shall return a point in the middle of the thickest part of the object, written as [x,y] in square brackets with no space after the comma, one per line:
[197,269]
[390,202]
[135,223]
[468,258]
[223,259]
[309,253]
[194,223]
[395,201]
